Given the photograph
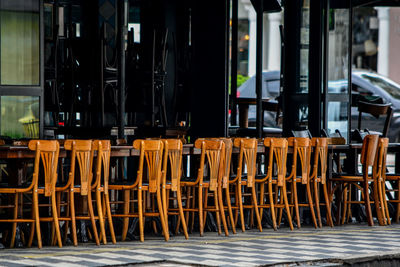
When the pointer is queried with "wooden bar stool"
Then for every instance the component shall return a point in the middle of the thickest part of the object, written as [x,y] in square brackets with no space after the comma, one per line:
[318,177]
[82,154]
[150,166]
[277,195]
[46,160]
[173,156]
[212,157]
[301,161]
[101,188]
[246,180]
[362,183]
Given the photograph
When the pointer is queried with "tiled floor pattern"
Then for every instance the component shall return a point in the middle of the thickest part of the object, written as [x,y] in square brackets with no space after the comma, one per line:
[251,248]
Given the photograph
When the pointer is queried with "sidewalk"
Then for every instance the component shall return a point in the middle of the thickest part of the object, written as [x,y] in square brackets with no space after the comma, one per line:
[309,246]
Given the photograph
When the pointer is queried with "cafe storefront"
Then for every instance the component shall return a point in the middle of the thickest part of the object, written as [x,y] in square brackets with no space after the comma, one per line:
[71,66]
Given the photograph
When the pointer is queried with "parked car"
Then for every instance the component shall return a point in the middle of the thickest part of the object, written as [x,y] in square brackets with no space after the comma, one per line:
[364,83]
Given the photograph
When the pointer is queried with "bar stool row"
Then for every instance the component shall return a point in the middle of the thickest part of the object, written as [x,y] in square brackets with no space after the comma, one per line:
[160,191]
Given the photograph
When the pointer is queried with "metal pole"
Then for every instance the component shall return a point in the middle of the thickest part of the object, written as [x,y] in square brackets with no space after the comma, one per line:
[259,41]
[227,63]
[121,65]
[234,62]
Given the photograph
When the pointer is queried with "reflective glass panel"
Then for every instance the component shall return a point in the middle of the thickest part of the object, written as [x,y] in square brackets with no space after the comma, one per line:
[19,116]
[304,46]
[338,53]
[19,42]
[337,117]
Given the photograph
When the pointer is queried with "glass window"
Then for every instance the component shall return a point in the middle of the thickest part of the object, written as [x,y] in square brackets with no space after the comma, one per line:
[338,51]
[336,112]
[19,116]
[19,42]
[304,46]
[337,117]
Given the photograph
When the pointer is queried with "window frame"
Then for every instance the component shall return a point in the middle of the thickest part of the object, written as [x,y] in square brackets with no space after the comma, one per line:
[32,90]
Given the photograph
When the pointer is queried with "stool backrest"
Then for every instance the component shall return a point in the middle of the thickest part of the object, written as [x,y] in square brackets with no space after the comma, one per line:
[379,168]
[214,150]
[320,163]
[302,150]
[47,152]
[248,151]
[81,151]
[277,154]
[368,150]
[173,154]
[103,148]
[151,152]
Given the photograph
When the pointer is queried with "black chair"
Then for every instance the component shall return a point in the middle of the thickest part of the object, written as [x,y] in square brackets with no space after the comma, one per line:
[376,110]
[301,133]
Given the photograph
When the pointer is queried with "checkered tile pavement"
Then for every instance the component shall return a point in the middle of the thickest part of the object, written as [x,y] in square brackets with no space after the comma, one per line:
[251,248]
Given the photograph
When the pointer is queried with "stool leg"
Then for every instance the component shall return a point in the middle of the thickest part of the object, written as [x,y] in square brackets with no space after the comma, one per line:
[181,215]
[328,206]
[286,202]
[125,220]
[100,215]
[296,203]
[92,219]
[311,205]
[37,218]
[201,221]
[229,204]
[161,214]
[254,199]
[141,218]
[55,218]
[271,199]
[73,219]
[316,195]
[14,225]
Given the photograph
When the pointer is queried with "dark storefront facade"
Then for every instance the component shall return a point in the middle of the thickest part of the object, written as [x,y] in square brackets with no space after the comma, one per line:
[83,68]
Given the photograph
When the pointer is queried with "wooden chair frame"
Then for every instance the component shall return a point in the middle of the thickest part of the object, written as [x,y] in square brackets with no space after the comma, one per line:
[301,158]
[46,152]
[82,154]
[173,155]
[247,159]
[369,158]
[213,151]
[276,160]
[151,156]
[318,177]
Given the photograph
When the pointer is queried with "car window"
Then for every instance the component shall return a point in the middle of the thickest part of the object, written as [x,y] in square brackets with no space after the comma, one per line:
[389,87]
[273,87]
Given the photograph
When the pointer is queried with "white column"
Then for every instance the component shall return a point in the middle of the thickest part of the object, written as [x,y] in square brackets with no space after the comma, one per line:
[383,40]
[252,40]
[274,41]
[265,41]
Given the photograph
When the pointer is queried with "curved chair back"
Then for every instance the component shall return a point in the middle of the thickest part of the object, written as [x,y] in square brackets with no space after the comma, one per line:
[248,151]
[368,151]
[103,148]
[214,150]
[277,153]
[173,154]
[302,150]
[151,151]
[81,151]
[47,152]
